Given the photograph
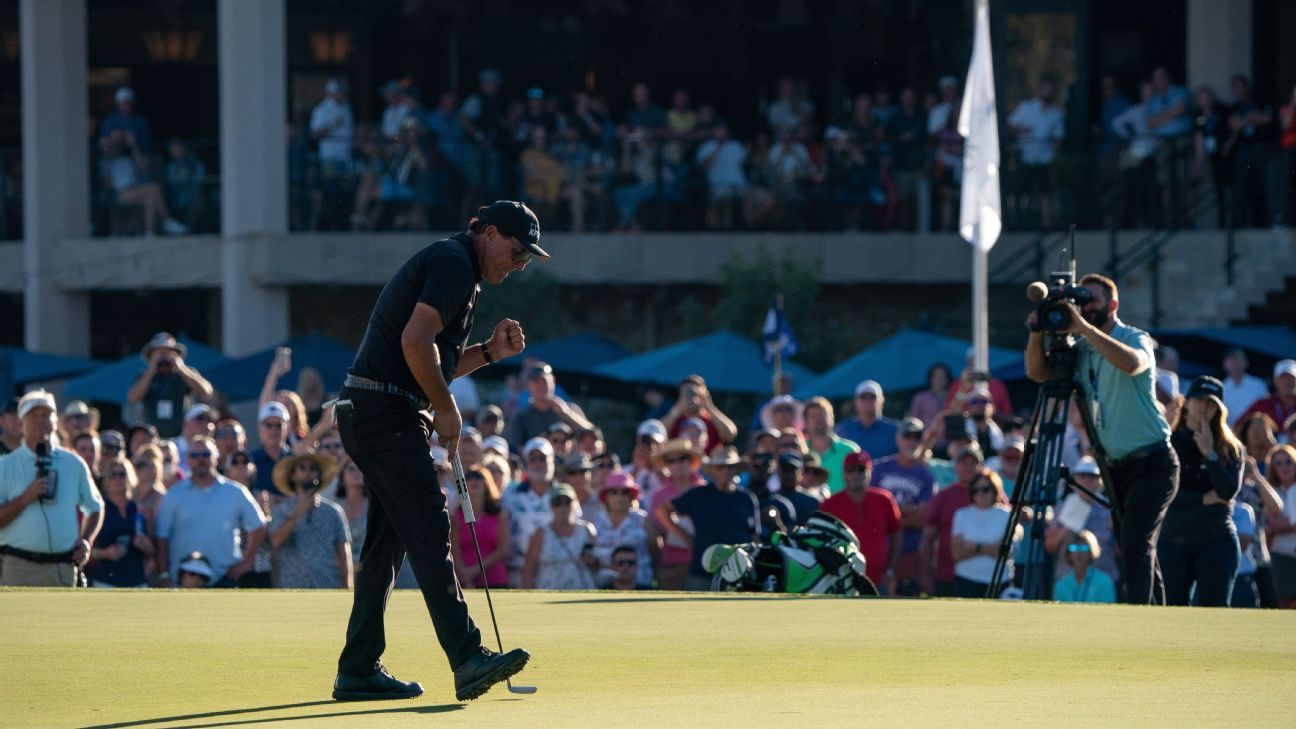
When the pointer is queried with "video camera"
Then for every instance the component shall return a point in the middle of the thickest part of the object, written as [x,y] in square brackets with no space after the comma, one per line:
[1051,311]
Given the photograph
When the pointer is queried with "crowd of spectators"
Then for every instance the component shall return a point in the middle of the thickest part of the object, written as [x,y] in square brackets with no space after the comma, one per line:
[188,496]
[885,161]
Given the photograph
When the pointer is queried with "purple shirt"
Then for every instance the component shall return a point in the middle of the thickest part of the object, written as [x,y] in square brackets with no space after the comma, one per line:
[909,485]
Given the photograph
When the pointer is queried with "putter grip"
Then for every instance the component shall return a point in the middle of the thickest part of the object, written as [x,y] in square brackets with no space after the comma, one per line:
[461,485]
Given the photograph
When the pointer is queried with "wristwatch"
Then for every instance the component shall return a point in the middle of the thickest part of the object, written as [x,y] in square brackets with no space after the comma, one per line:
[1213,457]
[486,355]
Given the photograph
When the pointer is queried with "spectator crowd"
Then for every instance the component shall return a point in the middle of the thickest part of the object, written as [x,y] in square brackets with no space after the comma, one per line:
[189,496]
[1162,157]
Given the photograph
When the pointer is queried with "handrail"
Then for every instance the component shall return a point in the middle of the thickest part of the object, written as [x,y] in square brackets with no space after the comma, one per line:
[1034,254]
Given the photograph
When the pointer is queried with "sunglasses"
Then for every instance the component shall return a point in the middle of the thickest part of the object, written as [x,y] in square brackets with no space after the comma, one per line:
[911,436]
[112,447]
[620,492]
[330,446]
[198,454]
[307,467]
[1074,548]
[561,501]
[679,459]
[522,255]
[226,433]
[978,401]
[116,473]
[625,563]
[856,469]
[982,490]
[145,463]
[239,462]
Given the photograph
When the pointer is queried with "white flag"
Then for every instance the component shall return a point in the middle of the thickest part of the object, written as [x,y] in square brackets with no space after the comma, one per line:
[980,216]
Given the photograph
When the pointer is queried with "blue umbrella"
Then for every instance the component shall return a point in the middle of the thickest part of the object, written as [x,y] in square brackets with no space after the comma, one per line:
[109,383]
[577,354]
[19,367]
[242,378]
[898,362]
[728,363]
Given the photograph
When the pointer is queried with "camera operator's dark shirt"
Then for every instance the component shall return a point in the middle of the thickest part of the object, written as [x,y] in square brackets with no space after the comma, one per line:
[446,277]
[165,403]
[1129,416]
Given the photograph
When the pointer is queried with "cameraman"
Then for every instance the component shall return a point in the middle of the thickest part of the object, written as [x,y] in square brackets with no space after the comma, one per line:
[1115,372]
[41,486]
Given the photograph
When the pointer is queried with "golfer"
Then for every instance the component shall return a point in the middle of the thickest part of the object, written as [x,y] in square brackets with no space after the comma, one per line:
[414,345]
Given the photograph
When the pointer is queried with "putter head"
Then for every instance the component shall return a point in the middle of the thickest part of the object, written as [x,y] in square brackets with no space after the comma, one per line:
[520,689]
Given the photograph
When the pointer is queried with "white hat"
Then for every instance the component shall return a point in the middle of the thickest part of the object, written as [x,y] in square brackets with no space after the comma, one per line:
[980,389]
[538,444]
[868,386]
[1014,442]
[35,399]
[199,410]
[272,409]
[497,444]
[1086,466]
[76,407]
[654,428]
[1285,367]
[196,564]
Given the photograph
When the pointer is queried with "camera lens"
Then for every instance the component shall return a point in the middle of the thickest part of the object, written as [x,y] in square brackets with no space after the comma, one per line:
[1057,318]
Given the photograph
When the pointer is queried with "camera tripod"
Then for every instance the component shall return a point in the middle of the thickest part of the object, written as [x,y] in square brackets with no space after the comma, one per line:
[1042,471]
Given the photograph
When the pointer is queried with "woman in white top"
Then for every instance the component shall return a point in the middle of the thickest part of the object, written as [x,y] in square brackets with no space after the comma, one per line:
[975,536]
[560,555]
[1280,471]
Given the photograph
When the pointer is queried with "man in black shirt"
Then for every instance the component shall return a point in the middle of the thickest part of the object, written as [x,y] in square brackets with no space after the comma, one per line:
[414,346]
[166,385]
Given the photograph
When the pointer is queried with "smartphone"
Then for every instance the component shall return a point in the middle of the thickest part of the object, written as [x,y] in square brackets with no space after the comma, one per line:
[283,355]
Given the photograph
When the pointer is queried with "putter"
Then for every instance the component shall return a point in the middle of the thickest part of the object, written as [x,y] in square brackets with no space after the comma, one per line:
[465,503]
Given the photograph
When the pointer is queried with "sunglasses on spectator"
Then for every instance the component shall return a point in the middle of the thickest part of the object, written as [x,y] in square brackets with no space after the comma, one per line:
[239,462]
[112,447]
[198,454]
[561,501]
[620,492]
[982,490]
[116,473]
[1073,548]
[679,459]
[226,432]
[911,436]
[143,463]
[328,446]
[856,469]
[978,401]
[625,563]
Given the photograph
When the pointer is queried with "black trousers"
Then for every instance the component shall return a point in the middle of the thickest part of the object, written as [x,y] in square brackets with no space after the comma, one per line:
[1211,563]
[1145,488]
[385,437]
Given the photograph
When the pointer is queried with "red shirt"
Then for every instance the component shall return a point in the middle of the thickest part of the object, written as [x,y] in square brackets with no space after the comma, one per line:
[713,433]
[1273,407]
[998,396]
[874,521]
[940,514]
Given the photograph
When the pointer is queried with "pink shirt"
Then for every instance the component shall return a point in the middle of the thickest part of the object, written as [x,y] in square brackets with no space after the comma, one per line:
[673,550]
[488,533]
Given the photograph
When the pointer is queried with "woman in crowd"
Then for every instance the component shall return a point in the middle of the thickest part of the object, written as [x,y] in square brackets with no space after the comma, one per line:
[240,468]
[681,463]
[560,555]
[1282,526]
[1265,503]
[1198,543]
[123,544]
[172,473]
[1084,582]
[138,436]
[975,536]
[1080,512]
[621,523]
[353,497]
[492,533]
[500,470]
[929,403]
[149,489]
[1256,432]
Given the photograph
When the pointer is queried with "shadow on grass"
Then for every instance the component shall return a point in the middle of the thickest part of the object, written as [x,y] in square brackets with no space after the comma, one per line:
[435,709]
[704,597]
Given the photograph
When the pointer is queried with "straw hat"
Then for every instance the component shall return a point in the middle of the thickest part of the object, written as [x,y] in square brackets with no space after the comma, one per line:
[284,468]
[674,447]
[163,340]
[724,456]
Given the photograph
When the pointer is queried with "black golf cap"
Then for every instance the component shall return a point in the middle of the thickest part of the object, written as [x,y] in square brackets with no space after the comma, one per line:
[515,220]
[1207,386]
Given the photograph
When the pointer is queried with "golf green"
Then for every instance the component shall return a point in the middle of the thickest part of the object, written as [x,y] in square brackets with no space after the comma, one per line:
[155,659]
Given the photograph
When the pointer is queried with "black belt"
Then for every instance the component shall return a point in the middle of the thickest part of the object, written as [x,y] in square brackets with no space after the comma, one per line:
[38,557]
[356,382]
[1141,453]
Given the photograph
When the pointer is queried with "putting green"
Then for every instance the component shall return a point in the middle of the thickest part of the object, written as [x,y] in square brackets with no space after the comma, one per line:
[155,659]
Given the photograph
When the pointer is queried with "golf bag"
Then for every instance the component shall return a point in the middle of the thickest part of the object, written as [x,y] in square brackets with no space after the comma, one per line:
[819,557]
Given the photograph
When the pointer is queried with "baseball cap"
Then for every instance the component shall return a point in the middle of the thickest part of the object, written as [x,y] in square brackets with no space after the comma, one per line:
[981,390]
[1285,367]
[1086,466]
[35,399]
[1208,387]
[196,564]
[200,410]
[495,443]
[559,490]
[540,368]
[538,444]
[868,387]
[559,427]
[693,423]
[272,410]
[791,459]
[911,425]
[857,459]
[652,427]
[76,407]
[971,449]
[1014,442]
[490,411]
[515,220]
[577,463]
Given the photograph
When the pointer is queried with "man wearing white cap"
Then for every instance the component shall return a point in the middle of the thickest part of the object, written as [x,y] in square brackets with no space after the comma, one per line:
[872,432]
[1281,405]
[527,503]
[42,486]
[272,429]
[125,117]
[199,420]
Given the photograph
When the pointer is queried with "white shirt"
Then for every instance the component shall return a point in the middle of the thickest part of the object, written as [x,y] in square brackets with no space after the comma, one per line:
[1132,124]
[938,117]
[528,511]
[725,170]
[1238,396]
[789,162]
[49,527]
[1285,544]
[336,117]
[982,526]
[1044,127]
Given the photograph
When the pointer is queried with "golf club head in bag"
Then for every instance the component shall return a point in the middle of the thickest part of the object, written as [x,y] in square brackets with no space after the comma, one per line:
[465,503]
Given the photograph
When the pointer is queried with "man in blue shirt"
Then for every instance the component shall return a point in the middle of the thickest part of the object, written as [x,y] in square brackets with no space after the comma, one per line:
[722,513]
[872,432]
[1114,371]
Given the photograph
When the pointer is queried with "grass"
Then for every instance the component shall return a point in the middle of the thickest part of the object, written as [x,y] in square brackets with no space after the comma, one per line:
[165,659]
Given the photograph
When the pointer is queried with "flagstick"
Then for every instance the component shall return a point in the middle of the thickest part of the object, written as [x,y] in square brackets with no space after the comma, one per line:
[980,320]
